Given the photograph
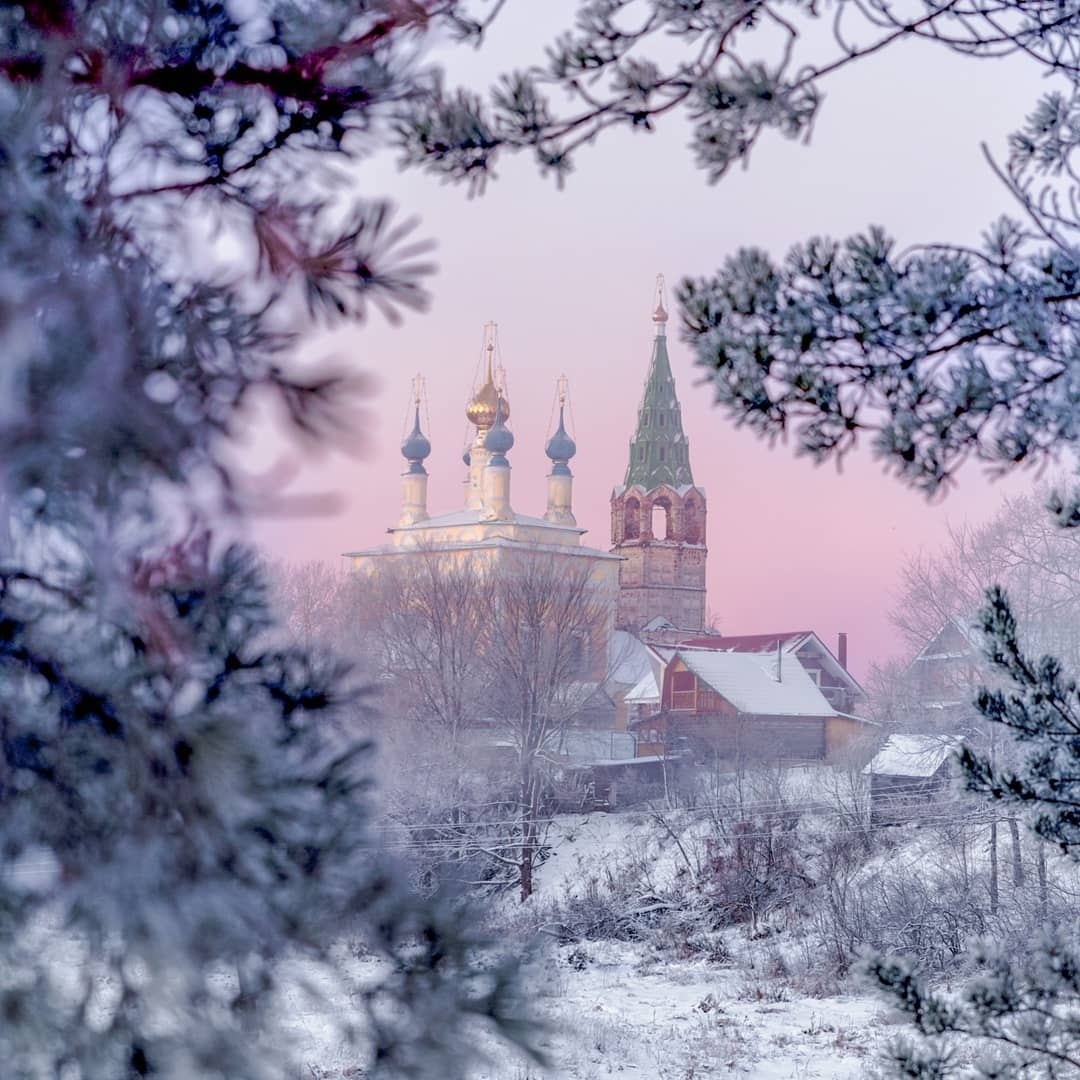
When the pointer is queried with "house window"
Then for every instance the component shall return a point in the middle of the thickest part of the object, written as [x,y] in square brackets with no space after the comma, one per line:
[683,690]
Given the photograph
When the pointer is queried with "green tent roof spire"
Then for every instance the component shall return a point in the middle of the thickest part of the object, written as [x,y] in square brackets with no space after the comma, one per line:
[659,450]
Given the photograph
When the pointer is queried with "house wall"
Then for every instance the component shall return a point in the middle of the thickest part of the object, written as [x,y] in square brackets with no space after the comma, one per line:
[728,735]
[896,799]
[845,735]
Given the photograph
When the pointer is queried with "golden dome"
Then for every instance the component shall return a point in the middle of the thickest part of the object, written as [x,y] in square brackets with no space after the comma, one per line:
[486,401]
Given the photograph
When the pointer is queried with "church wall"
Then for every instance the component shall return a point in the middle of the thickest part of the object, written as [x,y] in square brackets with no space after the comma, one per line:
[661,576]
[661,579]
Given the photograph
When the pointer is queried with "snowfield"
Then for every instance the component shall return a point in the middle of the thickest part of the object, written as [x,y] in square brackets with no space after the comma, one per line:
[614,1012]
[630,1009]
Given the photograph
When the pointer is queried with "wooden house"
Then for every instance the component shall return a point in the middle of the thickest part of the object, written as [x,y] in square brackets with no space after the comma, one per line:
[947,672]
[745,706]
[827,669]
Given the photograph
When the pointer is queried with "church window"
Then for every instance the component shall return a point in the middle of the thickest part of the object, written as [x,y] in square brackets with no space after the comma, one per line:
[645,418]
[661,520]
[631,519]
[661,419]
[661,453]
[641,453]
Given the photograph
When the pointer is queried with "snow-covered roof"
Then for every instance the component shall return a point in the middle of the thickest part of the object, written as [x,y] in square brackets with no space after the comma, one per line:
[645,692]
[799,643]
[474,516]
[912,755]
[965,629]
[749,682]
[631,659]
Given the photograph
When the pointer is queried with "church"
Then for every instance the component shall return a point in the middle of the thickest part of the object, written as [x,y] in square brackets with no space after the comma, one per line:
[785,695]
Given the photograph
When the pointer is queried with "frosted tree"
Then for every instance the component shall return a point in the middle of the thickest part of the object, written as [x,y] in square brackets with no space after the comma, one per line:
[550,624]
[476,652]
[937,352]
[1017,1011]
[1018,547]
[183,851]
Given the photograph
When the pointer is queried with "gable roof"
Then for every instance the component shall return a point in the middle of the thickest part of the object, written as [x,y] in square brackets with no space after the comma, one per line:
[645,692]
[631,660]
[912,755]
[965,638]
[748,681]
[748,642]
[791,641]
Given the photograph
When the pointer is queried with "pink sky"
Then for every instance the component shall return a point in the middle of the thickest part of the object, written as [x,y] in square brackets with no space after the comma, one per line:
[569,275]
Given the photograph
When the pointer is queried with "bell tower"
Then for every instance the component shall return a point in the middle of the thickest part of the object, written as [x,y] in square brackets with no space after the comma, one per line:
[658,513]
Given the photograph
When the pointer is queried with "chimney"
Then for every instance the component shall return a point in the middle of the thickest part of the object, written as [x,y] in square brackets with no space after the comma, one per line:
[841,649]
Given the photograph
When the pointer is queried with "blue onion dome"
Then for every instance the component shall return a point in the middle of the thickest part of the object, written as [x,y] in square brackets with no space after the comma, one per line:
[417,446]
[499,438]
[560,447]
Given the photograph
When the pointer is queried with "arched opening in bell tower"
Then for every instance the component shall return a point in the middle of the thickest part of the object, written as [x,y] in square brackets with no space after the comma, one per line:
[661,519]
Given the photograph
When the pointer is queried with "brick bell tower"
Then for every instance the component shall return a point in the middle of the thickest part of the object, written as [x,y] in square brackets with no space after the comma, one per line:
[658,513]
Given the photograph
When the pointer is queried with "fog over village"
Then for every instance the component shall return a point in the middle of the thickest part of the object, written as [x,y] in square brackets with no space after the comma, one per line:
[539,541]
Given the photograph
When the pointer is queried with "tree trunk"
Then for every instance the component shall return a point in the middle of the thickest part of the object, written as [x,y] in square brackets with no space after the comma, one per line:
[529,800]
[993,867]
[1043,890]
[528,854]
[1017,856]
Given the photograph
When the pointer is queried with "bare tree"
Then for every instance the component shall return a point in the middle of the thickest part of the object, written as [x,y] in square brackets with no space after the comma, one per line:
[548,657]
[316,601]
[429,610]
[1020,548]
[494,659]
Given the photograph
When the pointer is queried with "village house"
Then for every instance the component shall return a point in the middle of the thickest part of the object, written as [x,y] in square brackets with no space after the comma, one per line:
[745,705]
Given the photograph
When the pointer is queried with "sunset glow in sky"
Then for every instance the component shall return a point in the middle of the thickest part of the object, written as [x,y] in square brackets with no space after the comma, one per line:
[569,276]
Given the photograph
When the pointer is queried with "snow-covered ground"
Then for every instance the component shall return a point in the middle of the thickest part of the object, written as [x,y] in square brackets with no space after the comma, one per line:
[615,1012]
[635,1010]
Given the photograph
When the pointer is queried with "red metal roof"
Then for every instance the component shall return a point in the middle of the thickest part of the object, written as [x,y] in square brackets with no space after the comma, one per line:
[744,642]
